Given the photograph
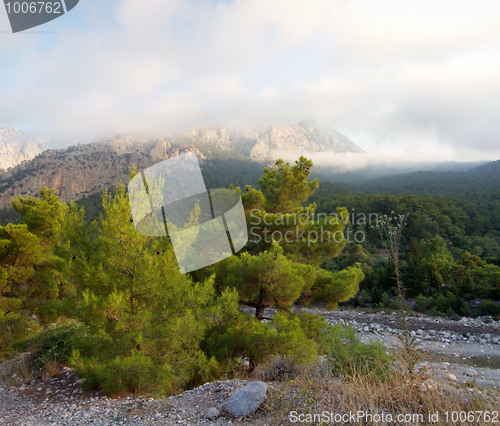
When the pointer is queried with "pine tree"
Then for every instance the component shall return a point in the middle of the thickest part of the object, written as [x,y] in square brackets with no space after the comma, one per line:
[150,318]
[268,279]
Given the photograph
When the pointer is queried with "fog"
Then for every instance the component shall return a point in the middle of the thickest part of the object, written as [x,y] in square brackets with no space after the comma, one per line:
[401,80]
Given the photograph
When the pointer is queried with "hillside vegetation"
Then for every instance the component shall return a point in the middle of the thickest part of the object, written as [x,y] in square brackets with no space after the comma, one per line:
[113,304]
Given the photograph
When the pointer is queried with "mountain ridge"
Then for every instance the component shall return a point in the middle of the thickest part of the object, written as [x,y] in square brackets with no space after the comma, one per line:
[78,171]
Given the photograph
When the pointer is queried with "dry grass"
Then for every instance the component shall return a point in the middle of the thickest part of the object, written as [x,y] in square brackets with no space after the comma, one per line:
[51,369]
[17,371]
[415,395]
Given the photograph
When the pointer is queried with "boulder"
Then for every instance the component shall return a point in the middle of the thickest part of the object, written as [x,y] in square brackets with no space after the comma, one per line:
[245,401]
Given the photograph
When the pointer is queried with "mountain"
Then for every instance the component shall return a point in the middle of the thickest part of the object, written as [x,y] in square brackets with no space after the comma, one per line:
[17,146]
[380,172]
[264,145]
[472,183]
[492,169]
[79,171]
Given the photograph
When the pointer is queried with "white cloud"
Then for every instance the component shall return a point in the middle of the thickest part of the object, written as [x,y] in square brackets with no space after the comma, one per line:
[401,75]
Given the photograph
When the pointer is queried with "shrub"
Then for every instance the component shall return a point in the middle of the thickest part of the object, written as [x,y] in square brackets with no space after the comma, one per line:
[279,368]
[313,325]
[364,299]
[349,357]
[56,344]
[488,308]
[386,300]
[449,304]
[120,374]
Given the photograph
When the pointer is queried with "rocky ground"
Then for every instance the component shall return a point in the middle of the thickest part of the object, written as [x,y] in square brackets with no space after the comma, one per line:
[61,400]
[465,343]
[472,337]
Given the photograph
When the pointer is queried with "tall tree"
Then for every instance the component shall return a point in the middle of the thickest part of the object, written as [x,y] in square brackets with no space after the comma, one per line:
[414,277]
[276,214]
[147,313]
[436,263]
[268,279]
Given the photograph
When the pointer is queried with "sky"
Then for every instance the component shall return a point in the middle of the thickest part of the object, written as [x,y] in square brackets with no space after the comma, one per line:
[411,80]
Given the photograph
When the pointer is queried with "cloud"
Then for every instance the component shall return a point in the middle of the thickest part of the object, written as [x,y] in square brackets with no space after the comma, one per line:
[400,75]
[346,162]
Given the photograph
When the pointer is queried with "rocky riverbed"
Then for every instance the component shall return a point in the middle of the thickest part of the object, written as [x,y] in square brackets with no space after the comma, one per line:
[469,336]
[460,345]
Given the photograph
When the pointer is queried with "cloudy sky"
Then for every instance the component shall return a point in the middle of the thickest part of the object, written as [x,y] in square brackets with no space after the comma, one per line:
[410,79]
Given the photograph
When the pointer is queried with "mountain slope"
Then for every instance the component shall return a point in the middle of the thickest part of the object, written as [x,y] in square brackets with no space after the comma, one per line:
[84,169]
[485,178]
[81,170]
[17,146]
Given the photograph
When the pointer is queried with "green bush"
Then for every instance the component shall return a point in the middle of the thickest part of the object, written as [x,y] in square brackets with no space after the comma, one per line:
[56,344]
[348,356]
[313,325]
[364,299]
[448,304]
[487,308]
[386,300]
[121,374]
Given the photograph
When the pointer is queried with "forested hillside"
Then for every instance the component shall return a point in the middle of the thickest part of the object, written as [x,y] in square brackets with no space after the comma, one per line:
[129,320]
[79,285]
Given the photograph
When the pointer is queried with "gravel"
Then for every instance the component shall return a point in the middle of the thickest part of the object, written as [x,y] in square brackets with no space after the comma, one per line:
[61,404]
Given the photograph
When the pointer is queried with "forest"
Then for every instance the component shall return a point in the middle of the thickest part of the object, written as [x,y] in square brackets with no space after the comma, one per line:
[127,319]
[112,303]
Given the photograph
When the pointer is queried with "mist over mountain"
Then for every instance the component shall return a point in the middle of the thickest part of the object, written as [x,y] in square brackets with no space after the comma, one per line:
[78,171]
[471,183]
[382,172]
[263,145]
[226,156]
[17,146]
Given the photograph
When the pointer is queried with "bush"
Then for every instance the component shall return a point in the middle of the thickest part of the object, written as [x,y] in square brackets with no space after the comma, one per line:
[364,299]
[279,368]
[449,304]
[56,344]
[386,300]
[487,308]
[313,325]
[120,374]
[348,356]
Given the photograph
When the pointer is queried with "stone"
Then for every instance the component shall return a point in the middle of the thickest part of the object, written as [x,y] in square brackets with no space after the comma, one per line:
[487,336]
[212,413]
[471,372]
[245,401]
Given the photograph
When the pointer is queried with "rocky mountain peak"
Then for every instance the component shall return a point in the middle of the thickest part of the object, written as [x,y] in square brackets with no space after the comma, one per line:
[78,171]
[17,146]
